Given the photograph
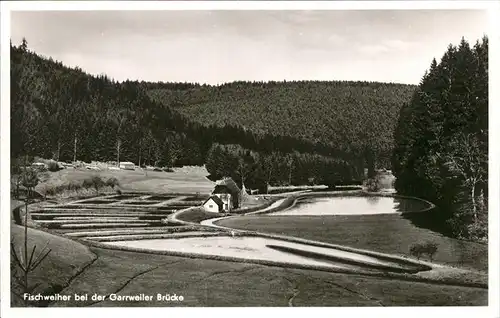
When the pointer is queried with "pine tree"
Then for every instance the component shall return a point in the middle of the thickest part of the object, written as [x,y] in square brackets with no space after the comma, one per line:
[441,138]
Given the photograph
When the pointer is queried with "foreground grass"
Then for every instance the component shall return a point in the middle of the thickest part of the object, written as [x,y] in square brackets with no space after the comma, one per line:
[66,259]
[217,283]
[387,233]
[205,282]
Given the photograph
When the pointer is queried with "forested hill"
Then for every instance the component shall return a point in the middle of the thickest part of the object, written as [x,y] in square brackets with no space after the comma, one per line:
[352,117]
[66,114]
[276,133]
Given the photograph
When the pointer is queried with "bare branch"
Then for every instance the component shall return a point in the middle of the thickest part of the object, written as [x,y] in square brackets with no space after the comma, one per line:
[31,257]
[39,261]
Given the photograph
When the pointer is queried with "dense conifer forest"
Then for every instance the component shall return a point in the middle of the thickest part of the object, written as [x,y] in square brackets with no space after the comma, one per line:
[441,140]
[65,114]
[346,119]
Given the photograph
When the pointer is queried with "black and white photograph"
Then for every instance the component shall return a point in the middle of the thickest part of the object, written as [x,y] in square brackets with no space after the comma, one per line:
[222,156]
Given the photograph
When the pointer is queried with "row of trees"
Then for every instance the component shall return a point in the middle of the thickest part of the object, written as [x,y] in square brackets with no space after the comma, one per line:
[259,170]
[441,139]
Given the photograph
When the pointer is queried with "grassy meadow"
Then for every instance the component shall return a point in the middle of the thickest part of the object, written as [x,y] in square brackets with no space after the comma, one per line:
[182,180]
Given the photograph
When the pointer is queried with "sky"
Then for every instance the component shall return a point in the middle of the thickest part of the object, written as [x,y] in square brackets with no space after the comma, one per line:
[214,47]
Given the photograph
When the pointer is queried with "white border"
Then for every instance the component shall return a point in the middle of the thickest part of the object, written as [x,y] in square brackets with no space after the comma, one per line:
[494,172]
[245,5]
[5,160]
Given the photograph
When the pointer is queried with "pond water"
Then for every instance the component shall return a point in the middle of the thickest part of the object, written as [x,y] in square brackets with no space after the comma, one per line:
[354,205]
[268,249]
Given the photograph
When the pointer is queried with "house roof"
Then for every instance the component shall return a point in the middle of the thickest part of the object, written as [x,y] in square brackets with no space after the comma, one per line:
[227,183]
[216,199]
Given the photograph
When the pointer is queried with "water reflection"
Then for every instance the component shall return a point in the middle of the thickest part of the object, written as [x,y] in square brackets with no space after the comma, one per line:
[373,200]
[349,205]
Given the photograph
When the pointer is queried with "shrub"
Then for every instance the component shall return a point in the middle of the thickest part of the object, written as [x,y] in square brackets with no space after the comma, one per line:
[30,178]
[168,169]
[47,190]
[53,166]
[478,231]
[87,183]
[419,249]
[112,182]
[60,188]
[97,183]
[94,182]
[73,186]
[372,184]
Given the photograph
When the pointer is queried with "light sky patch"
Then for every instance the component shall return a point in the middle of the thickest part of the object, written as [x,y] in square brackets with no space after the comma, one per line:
[222,46]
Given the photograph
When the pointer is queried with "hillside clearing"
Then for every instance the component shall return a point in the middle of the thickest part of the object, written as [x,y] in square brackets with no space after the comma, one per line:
[182,180]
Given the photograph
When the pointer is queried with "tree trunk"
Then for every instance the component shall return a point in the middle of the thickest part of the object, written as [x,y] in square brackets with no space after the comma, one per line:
[473,198]
[118,144]
[359,169]
[58,149]
[242,181]
[26,240]
[149,156]
[267,182]
[26,226]
[370,160]
[140,152]
[74,148]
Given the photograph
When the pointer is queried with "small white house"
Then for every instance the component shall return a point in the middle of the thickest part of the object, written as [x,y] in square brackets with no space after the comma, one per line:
[213,204]
[127,165]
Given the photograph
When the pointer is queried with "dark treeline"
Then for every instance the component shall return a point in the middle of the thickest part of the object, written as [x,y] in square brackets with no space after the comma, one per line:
[259,170]
[441,139]
[342,119]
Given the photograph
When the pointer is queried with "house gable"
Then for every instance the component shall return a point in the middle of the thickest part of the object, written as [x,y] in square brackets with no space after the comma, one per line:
[213,200]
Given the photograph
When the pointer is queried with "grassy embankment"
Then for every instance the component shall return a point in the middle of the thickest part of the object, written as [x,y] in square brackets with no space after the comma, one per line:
[66,259]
